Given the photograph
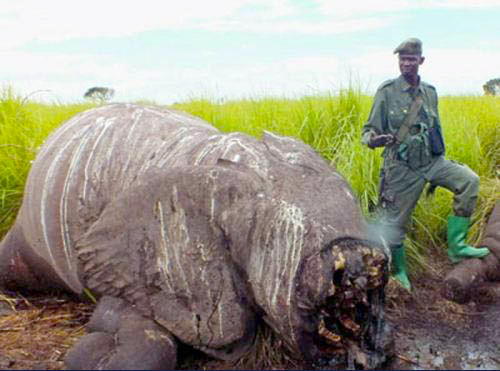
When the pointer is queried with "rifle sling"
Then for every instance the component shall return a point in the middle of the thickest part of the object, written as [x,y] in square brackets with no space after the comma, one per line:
[409,119]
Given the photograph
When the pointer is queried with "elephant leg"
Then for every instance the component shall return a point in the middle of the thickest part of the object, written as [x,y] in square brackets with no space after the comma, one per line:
[121,338]
[15,272]
[22,269]
[90,351]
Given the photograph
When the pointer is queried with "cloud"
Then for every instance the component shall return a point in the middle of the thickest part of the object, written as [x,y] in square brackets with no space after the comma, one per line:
[69,76]
[55,20]
[450,70]
[356,7]
[461,70]
[461,4]
[290,76]
[324,27]
[65,76]
[359,7]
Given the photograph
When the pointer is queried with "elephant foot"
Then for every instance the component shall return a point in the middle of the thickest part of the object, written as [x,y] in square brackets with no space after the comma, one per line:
[122,339]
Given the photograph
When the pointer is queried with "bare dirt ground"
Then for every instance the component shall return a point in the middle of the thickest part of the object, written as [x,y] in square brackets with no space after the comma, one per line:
[430,332]
[434,333]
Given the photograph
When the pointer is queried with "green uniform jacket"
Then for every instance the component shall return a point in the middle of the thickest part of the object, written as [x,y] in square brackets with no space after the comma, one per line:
[390,107]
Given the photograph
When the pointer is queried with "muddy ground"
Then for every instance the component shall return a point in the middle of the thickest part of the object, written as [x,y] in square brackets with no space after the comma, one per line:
[434,333]
[430,332]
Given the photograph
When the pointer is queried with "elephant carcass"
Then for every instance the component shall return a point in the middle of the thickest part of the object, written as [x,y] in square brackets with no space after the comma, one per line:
[478,279]
[195,234]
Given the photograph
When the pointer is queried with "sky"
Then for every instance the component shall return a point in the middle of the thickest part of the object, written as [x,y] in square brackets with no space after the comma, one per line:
[169,51]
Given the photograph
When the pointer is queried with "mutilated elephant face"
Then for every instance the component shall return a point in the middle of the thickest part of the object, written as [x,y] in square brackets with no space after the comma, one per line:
[320,284]
[340,298]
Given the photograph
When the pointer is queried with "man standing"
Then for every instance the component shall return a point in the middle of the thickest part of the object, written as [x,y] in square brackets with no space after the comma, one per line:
[404,118]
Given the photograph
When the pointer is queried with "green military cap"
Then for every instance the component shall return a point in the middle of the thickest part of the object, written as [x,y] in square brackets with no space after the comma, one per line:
[409,46]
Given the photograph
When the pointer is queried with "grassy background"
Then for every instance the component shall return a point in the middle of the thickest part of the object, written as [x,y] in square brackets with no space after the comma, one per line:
[329,123]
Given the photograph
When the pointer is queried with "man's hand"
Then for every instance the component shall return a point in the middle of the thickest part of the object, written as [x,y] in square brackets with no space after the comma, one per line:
[380,140]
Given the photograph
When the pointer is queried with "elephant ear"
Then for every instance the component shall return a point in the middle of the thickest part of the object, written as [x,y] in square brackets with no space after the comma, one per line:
[115,251]
[166,246]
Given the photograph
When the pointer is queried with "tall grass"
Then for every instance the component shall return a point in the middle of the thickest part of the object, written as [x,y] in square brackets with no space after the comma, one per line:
[329,123]
[332,125]
[23,127]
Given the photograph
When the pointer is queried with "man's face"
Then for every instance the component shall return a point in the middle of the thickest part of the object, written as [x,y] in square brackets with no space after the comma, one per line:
[409,63]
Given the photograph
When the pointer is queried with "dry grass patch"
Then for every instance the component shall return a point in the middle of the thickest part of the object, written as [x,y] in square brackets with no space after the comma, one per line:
[36,332]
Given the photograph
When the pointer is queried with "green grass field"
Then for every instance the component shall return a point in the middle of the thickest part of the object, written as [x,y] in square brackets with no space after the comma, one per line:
[329,123]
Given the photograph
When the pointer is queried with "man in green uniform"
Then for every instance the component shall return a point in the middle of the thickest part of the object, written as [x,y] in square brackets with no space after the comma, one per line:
[404,119]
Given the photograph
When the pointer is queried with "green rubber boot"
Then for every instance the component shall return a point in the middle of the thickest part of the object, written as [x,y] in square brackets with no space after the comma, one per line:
[457,247]
[399,266]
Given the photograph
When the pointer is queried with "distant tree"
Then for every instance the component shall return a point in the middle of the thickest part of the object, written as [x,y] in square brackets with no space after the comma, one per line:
[492,87]
[99,94]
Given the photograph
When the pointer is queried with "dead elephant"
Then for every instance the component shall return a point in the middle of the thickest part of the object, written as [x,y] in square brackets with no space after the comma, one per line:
[188,234]
[478,279]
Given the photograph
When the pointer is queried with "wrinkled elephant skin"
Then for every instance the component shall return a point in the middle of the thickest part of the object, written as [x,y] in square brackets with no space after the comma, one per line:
[189,234]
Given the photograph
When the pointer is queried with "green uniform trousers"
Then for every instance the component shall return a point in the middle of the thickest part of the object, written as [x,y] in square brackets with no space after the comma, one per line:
[401,187]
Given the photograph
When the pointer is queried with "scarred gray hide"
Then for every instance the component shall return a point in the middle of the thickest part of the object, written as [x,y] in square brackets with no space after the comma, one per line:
[200,233]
